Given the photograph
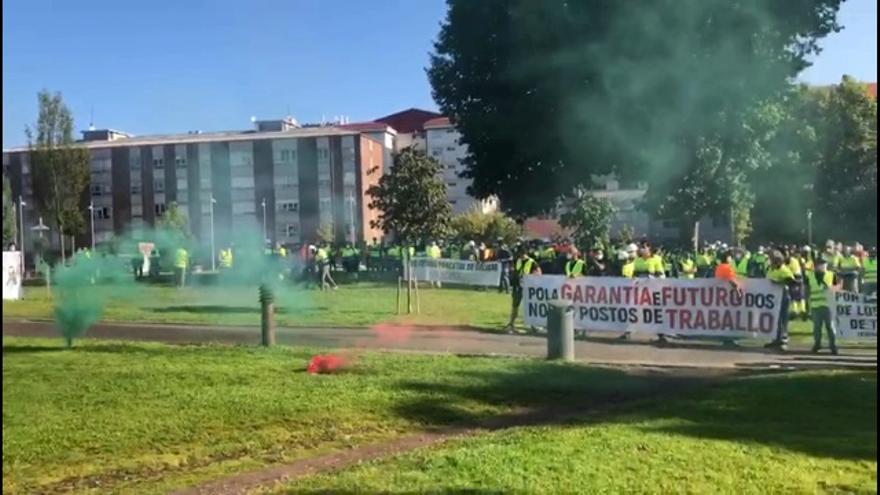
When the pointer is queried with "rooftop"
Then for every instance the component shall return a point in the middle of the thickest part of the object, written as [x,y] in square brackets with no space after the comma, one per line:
[437,123]
[203,137]
[408,121]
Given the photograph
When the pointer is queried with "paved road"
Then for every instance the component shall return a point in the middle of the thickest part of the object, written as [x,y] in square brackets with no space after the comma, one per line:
[461,341]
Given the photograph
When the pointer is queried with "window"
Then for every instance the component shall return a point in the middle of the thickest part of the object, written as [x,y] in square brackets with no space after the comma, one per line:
[323,153]
[436,151]
[452,184]
[180,161]
[450,131]
[159,162]
[288,155]
[292,230]
[102,213]
[289,206]
[97,189]
[159,185]
[160,209]
[135,189]
[450,148]
[451,166]
[324,204]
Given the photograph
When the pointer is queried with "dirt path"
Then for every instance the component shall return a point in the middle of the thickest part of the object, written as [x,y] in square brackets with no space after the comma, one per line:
[675,383]
[599,350]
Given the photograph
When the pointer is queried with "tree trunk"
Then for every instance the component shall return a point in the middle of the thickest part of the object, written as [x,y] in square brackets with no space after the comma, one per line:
[63,259]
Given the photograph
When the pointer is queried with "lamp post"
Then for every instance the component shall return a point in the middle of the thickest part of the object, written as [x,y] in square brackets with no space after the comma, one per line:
[21,205]
[351,218]
[213,255]
[810,227]
[265,233]
[92,221]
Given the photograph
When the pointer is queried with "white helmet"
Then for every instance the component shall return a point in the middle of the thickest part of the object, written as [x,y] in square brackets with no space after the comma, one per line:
[632,248]
[621,255]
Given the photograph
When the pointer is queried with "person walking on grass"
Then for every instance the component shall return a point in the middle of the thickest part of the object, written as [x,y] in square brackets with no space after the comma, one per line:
[181,260]
[322,260]
[524,265]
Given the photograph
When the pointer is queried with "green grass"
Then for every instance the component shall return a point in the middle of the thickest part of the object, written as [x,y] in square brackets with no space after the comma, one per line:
[110,417]
[352,305]
[798,433]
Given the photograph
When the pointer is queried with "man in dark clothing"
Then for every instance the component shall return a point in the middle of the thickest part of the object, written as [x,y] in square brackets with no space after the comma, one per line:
[597,266]
[503,255]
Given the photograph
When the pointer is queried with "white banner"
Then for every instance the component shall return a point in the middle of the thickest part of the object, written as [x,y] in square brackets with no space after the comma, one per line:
[855,315]
[695,307]
[456,271]
[11,274]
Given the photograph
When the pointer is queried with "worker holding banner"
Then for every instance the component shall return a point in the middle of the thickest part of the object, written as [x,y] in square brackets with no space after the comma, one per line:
[780,274]
[824,279]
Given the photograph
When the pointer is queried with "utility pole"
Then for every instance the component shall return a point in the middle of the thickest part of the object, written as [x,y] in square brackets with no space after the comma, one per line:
[265,233]
[21,205]
[351,218]
[810,227]
[92,221]
[213,254]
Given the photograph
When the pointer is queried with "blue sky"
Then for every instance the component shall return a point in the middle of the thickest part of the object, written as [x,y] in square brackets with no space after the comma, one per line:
[173,66]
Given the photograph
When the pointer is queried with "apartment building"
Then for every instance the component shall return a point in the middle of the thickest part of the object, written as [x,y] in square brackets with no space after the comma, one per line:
[289,178]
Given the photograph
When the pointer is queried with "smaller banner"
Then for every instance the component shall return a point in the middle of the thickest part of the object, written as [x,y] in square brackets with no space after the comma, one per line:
[855,315]
[12,275]
[456,271]
[146,248]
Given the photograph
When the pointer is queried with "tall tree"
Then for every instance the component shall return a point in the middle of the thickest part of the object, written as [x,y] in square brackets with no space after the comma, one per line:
[546,94]
[411,198]
[10,229]
[59,167]
[589,218]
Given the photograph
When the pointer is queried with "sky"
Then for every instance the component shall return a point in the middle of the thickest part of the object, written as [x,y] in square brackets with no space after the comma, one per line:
[168,66]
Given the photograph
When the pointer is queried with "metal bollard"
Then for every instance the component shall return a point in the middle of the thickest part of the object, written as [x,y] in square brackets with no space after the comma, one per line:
[267,305]
[560,331]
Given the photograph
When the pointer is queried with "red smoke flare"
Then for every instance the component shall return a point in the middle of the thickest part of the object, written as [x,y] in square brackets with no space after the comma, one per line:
[325,363]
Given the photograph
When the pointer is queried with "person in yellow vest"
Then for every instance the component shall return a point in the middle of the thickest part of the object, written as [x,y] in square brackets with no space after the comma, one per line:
[322,260]
[628,270]
[645,265]
[574,267]
[798,306]
[780,274]
[657,265]
[849,270]
[225,259]
[825,281]
[181,260]
[704,263]
[687,268]
[524,265]
[435,253]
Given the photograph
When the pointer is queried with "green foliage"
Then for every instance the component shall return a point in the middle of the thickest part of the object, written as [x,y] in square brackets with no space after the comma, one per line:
[59,168]
[10,227]
[175,223]
[546,94]
[589,218]
[477,226]
[411,198]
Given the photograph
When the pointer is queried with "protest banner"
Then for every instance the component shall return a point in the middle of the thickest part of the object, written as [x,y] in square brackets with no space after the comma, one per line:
[696,307]
[12,275]
[855,315]
[456,271]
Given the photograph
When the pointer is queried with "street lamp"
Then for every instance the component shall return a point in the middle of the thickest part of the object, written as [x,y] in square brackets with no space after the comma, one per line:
[810,227]
[265,233]
[213,255]
[21,205]
[351,217]
[92,221]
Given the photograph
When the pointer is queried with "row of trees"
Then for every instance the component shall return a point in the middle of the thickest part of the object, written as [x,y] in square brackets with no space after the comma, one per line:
[693,96]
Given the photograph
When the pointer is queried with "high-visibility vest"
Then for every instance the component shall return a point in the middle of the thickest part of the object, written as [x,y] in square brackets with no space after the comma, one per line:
[643,266]
[849,263]
[524,267]
[348,253]
[180,258]
[226,258]
[574,268]
[795,266]
[687,268]
[628,269]
[375,251]
[781,275]
[434,252]
[743,266]
[321,255]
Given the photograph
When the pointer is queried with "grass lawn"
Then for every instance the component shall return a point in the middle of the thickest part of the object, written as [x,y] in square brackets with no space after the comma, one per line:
[352,305]
[110,417]
[798,433]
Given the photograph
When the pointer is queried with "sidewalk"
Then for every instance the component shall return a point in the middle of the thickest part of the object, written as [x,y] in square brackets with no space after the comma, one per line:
[595,350]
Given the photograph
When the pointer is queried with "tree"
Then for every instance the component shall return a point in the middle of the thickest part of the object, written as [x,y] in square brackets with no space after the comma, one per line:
[846,182]
[477,226]
[10,229]
[174,222]
[546,94]
[59,168]
[411,198]
[588,217]
[325,232]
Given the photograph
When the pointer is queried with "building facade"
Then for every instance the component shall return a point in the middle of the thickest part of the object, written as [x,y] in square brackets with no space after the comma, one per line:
[293,180]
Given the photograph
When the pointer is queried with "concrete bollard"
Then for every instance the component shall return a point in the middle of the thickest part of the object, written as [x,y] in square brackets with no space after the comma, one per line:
[267,323]
[560,331]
